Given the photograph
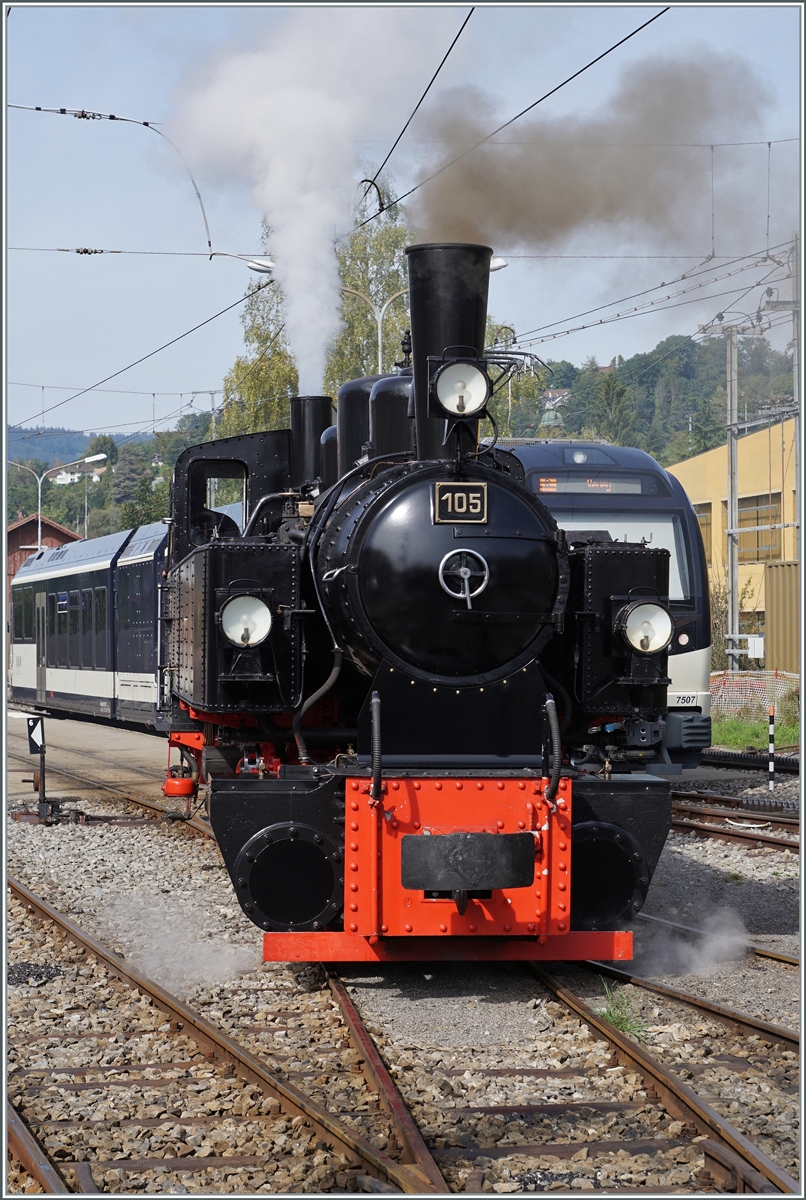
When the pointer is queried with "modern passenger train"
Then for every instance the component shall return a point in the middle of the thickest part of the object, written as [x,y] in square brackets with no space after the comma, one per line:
[624,491]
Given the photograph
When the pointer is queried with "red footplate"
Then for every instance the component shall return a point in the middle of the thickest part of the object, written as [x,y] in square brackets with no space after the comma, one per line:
[351,947]
[385,921]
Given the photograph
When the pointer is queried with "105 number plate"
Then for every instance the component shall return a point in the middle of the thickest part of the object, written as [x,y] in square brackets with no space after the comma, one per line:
[460,503]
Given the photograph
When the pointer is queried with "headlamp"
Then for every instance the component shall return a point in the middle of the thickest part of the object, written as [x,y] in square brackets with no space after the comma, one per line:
[647,628]
[246,620]
[462,388]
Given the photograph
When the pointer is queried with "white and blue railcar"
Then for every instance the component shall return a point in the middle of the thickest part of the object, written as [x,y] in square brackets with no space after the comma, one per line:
[85,628]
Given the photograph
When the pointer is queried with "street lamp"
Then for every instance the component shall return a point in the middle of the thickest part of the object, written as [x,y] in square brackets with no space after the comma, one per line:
[40,479]
[379,314]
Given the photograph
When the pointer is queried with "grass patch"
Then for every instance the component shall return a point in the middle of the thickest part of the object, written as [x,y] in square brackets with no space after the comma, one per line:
[621,1014]
[737,734]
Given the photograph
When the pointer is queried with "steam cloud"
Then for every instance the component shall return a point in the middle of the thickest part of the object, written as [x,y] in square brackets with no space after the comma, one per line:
[566,174]
[161,933]
[662,951]
[285,116]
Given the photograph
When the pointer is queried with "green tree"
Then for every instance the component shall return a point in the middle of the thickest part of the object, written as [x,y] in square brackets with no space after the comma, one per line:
[261,382]
[516,404]
[611,411]
[371,261]
[21,493]
[564,374]
[104,520]
[103,444]
[132,465]
[195,426]
[150,503]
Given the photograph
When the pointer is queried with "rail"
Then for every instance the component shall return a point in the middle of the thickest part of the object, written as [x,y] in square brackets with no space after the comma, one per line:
[732,1157]
[224,1048]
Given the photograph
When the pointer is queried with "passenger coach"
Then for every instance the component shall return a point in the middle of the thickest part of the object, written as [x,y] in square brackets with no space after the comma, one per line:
[84,626]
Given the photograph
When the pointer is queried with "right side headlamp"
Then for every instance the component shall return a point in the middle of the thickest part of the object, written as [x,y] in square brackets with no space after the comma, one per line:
[647,628]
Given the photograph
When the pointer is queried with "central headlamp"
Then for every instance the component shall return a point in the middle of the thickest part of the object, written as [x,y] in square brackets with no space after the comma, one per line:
[647,628]
[462,388]
[246,620]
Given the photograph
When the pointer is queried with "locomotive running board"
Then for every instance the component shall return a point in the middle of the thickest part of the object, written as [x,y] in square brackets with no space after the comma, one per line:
[604,945]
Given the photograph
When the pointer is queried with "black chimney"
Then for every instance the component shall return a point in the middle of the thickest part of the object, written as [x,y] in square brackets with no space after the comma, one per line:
[448,285]
[310,417]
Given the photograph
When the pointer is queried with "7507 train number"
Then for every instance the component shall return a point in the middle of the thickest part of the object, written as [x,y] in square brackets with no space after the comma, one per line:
[464,503]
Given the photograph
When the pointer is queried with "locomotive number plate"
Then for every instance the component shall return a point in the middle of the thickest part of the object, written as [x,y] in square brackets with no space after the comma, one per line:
[464,503]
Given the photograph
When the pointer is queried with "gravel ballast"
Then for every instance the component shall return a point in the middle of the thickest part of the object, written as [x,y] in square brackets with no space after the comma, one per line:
[161,898]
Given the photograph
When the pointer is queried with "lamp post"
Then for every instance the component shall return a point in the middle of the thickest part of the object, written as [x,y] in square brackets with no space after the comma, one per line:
[379,314]
[40,479]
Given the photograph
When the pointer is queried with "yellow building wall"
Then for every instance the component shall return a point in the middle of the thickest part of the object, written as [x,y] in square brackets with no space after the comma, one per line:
[766,464]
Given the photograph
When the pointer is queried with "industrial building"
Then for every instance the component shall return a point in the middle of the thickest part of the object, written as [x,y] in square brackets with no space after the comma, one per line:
[767,488]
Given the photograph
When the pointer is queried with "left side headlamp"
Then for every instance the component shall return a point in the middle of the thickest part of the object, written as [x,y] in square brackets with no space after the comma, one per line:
[246,620]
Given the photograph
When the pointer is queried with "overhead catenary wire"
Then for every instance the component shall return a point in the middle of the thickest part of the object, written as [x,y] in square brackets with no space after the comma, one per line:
[86,251]
[89,251]
[372,182]
[63,387]
[89,115]
[150,354]
[517,116]
[611,145]
[759,255]
[658,305]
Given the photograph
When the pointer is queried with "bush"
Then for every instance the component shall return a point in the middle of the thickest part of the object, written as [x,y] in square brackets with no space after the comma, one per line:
[787,710]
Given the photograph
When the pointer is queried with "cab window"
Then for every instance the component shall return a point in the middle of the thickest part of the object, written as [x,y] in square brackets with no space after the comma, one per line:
[217,501]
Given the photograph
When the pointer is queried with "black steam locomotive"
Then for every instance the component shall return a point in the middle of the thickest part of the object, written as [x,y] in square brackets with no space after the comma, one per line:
[420,707]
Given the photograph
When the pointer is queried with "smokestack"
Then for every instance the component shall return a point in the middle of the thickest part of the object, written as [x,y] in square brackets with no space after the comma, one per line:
[448,285]
[310,417]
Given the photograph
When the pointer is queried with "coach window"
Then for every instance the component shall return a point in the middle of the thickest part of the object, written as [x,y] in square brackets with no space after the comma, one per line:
[217,501]
[51,639]
[100,628]
[17,613]
[61,629]
[86,630]
[75,630]
[28,614]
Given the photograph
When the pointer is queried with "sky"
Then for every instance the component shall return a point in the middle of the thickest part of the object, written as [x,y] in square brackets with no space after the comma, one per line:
[280,110]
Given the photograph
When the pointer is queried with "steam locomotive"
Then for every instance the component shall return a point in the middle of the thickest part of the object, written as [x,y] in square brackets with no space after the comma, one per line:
[416,702]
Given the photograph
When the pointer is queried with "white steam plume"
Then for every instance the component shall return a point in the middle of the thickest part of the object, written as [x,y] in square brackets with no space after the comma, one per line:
[284,116]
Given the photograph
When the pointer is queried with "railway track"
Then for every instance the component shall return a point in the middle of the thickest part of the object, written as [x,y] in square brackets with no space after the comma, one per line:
[159,1068]
[205,1055]
[379,1116]
[721,822]
[772,803]
[733,1161]
[162,811]
[756,761]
